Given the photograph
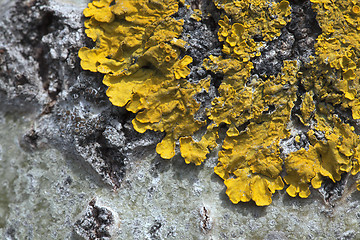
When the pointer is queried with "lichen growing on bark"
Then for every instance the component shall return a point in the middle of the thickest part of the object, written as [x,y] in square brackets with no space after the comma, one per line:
[140,51]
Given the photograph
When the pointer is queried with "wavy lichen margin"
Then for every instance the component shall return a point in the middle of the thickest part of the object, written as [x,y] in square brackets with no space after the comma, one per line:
[138,47]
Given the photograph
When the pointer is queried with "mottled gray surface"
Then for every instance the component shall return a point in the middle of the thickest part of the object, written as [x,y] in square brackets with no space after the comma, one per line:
[45,192]
[64,145]
[97,222]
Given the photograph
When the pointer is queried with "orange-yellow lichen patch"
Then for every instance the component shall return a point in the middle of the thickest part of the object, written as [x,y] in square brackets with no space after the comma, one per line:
[196,15]
[243,188]
[232,106]
[241,103]
[100,10]
[339,46]
[301,168]
[138,49]
[339,148]
[196,151]
[250,161]
[331,156]
[307,108]
[250,18]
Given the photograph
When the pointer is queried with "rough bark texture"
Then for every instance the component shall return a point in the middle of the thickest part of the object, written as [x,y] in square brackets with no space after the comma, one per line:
[40,74]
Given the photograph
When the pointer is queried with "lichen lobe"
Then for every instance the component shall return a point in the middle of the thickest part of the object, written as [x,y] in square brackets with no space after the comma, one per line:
[141,51]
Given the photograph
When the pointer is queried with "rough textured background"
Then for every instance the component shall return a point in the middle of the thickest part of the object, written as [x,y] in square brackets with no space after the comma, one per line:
[72,166]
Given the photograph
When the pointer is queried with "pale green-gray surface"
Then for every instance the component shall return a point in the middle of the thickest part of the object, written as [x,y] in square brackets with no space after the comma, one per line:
[42,193]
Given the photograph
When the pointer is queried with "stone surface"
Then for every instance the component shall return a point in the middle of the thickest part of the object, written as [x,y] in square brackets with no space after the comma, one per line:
[63,144]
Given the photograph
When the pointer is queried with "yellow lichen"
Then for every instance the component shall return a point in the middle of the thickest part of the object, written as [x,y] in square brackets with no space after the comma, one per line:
[196,15]
[339,45]
[251,158]
[195,152]
[336,153]
[307,108]
[242,163]
[138,48]
[250,18]
[301,169]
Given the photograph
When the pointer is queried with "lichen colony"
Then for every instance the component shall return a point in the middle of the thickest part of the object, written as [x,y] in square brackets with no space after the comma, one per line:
[140,51]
